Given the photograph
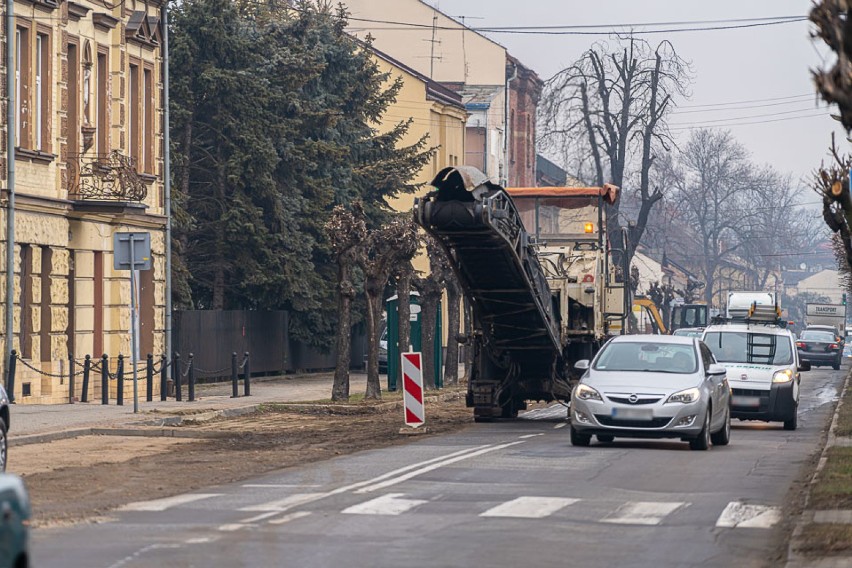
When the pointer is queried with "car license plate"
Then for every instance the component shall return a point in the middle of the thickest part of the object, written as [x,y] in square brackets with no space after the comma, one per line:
[633,413]
[748,401]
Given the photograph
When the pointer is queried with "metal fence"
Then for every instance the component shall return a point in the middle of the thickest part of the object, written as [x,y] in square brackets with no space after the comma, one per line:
[212,336]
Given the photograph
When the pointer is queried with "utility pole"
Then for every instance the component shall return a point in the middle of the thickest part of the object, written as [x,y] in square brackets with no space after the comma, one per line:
[433,42]
[10,185]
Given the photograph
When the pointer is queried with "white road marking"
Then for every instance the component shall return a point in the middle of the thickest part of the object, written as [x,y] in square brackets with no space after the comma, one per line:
[643,512]
[434,466]
[560,425]
[529,436]
[743,515]
[234,527]
[260,517]
[280,485]
[289,517]
[286,503]
[200,540]
[529,507]
[390,504]
[168,502]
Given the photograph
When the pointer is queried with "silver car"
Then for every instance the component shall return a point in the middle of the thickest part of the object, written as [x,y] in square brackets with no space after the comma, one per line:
[652,386]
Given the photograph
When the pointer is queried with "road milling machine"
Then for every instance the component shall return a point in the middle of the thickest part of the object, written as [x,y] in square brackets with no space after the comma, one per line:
[537,267]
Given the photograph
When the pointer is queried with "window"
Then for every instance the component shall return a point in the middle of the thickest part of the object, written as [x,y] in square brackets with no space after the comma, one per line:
[135,116]
[22,80]
[32,95]
[103,103]
[148,122]
[73,100]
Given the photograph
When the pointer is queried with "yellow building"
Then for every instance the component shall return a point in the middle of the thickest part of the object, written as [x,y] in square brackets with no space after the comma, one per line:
[88,164]
[437,113]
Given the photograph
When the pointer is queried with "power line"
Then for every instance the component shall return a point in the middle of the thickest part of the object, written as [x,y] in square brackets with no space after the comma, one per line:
[748,107]
[701,125]
[750,101]
[750,117]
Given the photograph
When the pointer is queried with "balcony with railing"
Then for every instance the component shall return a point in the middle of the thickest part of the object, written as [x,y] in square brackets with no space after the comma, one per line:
[106,181]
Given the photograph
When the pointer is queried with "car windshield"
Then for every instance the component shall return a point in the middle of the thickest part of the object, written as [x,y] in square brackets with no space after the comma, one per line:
[813,335]
[747,347]
[647,356]
[818,335]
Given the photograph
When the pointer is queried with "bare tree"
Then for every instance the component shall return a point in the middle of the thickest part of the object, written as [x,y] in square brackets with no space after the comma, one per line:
[833,20]
[385,248]
[831,182]
[608,113]
[718,191]
[346,231]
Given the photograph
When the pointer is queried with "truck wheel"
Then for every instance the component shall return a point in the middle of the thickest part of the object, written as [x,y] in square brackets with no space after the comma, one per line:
[510,409]
[578,439]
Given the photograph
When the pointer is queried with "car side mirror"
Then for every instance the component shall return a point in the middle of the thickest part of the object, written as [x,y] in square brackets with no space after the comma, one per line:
[582,365]
[717,369]
[804,366]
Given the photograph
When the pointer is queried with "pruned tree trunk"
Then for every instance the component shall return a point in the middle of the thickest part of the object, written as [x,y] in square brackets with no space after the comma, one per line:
[451,365]
[374,289]
[347,231]
[404,296]
[430,295]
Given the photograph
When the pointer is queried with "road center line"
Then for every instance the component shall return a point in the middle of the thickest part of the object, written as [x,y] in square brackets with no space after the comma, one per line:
[434,466]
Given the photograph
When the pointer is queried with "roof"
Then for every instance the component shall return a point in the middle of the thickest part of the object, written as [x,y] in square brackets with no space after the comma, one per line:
[434,90]
[609,192]
[676,339]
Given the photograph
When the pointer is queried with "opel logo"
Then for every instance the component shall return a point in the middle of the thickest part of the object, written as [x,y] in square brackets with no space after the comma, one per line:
[633,399]
[744,377]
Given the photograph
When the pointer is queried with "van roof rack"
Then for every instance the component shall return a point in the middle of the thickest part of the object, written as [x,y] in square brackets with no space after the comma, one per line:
[758,314]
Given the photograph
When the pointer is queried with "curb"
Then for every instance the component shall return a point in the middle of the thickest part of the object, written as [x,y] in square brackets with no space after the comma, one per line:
[148,428]
[795,560]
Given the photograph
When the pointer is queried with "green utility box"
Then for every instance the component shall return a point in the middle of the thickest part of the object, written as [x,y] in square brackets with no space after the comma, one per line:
[416,334]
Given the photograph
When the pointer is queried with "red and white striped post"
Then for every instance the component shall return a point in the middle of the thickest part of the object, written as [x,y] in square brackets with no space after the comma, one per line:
[412,381]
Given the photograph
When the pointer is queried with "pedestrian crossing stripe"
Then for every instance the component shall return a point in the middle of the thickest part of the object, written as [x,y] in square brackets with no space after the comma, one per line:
[529,507]
[390,504]
[744,515]
[643,513]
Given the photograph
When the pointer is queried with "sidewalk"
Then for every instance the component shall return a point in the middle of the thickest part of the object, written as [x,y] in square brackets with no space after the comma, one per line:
[37,423]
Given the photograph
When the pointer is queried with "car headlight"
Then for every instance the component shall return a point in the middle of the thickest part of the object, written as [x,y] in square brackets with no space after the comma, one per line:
[585,392]
[685,396]
[783,376]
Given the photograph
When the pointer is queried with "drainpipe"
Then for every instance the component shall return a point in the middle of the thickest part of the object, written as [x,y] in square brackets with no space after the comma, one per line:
[167,181]
[507,129]
[10,184]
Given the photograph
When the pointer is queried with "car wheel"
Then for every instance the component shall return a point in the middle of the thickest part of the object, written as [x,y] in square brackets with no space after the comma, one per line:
[606,439]
[723,436]
[702,441]
[793,422]
[578,439]
[4,446]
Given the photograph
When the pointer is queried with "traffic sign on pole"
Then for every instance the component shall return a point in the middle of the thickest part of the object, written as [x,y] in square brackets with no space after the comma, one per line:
[412,380]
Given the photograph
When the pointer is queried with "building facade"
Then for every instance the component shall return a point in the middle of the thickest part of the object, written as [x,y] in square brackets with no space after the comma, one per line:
[500,94]
[88,164]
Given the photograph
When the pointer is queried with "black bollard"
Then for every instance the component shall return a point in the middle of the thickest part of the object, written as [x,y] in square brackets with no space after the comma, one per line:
[120,378]
[247,384]
[87,367]
[149,377]
[70,379]
[10,378]
[176,371]
[191,379]
[105,379]
[235,389]
[164,387]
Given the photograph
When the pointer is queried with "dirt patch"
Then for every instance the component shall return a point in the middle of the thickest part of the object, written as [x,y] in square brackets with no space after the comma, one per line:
[84,478]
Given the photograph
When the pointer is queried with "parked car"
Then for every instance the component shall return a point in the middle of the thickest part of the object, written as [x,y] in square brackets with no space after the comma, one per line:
[14,522]
[652,386]
[689,331]
[4,428]
[763,370]
[820,347]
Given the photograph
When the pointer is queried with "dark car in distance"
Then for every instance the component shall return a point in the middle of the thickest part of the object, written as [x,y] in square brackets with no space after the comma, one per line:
[820,347]
[14,522]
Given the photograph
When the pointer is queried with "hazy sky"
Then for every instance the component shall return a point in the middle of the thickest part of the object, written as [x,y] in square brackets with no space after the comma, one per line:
[730,66]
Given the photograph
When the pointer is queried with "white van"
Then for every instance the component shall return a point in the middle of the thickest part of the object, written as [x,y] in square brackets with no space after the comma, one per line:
[763,370]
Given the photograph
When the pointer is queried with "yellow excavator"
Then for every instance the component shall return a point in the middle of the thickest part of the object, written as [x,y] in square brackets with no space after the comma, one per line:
[650,309]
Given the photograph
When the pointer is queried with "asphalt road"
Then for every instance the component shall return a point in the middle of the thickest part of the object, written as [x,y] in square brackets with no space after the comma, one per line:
[503,494]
